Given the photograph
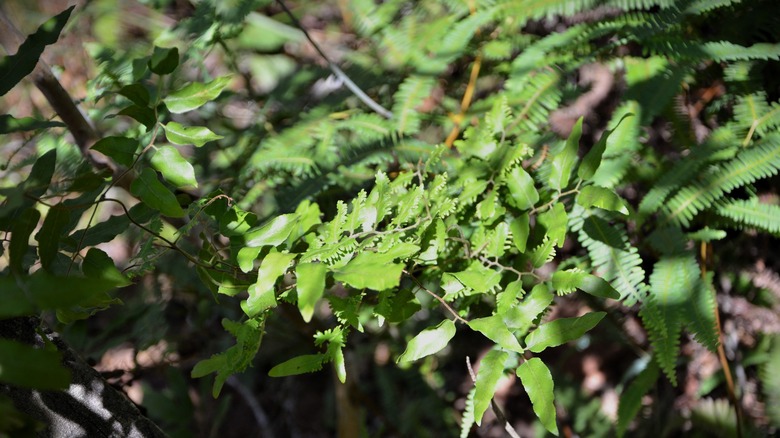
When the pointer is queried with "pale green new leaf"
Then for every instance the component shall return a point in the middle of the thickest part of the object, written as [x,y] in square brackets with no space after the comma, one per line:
[429,341]
[195,95]
[154,194]
[306,363]
[520,228]
[311,286]
[478,277]
[521,316]
[272,233]
[177,133]
[494,328]
[561,331]
[367,271]
[555,222]
[563,162]
[491,368]
[538,383]
[174,168]
[595,196]
[523,194]
[262,294]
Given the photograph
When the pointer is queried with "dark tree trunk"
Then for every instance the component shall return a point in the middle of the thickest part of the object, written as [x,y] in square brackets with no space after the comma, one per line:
[90,407]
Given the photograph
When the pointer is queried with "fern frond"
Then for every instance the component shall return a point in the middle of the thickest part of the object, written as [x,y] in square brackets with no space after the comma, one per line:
[683,171]
[700,313]
[760,161]
[412,92]
[532,97]
[671,286]
[770,380]
[468,419]
[613,257]
[752,214]
[633,5]
[526,10]
[756,116]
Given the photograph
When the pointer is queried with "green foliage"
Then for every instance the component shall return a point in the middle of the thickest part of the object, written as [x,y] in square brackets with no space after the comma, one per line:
[361,222]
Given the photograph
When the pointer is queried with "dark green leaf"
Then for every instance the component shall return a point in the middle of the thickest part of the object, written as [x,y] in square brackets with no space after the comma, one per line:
[29,367]
[21,229]
[53,292]
[97,264]
[154,194]
[15,301]
[9,124]
[120,149]
[164,61]
[429,341]
[174,168]
[40,176]
[561,331]
[538,383]
[137,93]
[141,114]
[631,398]
[15,67]
[57,219]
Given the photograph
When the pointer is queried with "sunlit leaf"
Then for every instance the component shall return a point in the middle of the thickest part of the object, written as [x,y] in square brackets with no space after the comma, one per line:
[538,383]
[595,196]
[491,368]
[561,331]
[173,167]
[429,341]
[195,95]
[563,162]
[179,134]
[494,328]
[311,286]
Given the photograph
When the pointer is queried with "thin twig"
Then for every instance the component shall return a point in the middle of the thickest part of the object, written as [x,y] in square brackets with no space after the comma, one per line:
[261,418]
[496,409]
[438,298]
[724,363]
[379,109]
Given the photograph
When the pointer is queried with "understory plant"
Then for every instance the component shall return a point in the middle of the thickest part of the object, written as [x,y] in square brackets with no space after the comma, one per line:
[463,181]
